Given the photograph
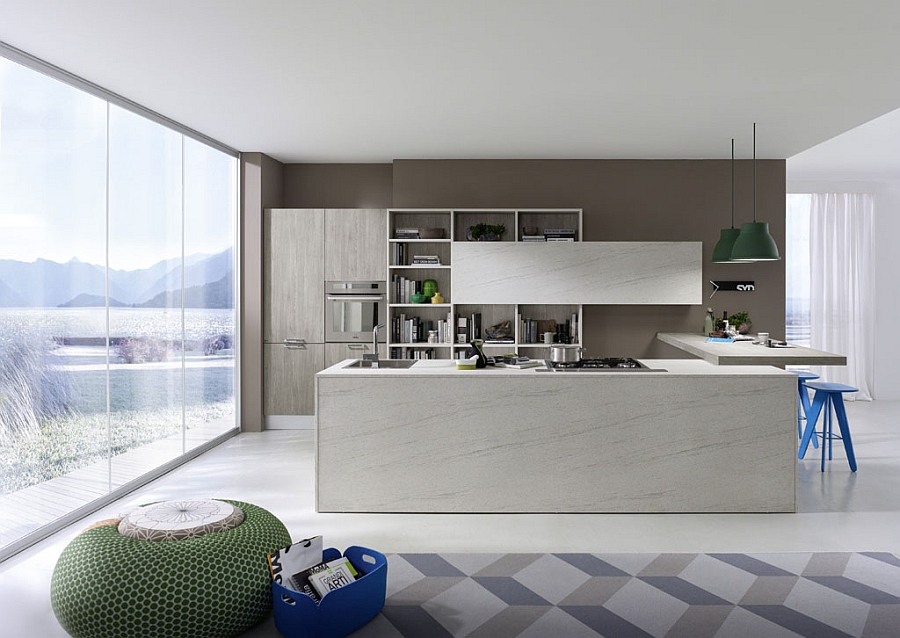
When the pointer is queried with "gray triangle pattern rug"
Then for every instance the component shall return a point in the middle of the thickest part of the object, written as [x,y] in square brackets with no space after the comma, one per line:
[781,595]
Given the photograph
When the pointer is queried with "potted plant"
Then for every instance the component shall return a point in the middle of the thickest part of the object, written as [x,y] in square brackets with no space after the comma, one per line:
[741,322]
[485,232]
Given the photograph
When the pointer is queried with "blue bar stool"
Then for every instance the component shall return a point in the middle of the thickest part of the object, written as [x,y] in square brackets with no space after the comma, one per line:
[803,407]
[829,396]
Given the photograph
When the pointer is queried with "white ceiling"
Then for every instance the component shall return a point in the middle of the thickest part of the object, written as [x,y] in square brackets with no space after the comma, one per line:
[376,80]
[870,152]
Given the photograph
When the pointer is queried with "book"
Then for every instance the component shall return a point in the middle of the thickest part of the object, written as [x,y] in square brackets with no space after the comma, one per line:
[462,330]
[521,364]
[322,578]
[294,558]
[559,231]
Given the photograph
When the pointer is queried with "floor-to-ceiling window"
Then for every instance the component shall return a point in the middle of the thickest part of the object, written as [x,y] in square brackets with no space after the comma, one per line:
[117,295]
[796,269]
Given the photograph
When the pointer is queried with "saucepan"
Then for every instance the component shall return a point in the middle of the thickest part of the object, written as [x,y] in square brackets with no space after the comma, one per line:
[562,353]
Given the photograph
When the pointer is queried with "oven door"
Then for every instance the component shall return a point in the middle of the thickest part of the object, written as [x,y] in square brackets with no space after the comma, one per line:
[352,310]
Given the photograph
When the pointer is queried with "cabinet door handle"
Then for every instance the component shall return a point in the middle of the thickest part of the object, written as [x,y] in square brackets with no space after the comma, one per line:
[356,346]
[355,298]
[295,344]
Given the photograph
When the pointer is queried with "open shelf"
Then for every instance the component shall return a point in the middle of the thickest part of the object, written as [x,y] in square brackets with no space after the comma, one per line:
[455,223]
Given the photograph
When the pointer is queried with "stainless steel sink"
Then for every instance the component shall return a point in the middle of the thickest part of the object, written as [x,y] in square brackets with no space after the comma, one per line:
[391,364]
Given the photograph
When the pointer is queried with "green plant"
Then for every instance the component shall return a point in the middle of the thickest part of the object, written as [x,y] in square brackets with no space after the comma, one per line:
[143,349]
[738,318]
[30,389]
[483,230]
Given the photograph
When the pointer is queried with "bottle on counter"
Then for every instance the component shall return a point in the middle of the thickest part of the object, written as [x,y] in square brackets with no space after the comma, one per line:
[725,321]
[709,323]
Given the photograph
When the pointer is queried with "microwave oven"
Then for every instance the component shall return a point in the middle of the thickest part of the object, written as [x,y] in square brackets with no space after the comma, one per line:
[353,309]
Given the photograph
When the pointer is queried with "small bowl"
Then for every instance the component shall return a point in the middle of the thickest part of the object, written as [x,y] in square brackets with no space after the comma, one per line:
[417,297]
[529,230]
[431,233]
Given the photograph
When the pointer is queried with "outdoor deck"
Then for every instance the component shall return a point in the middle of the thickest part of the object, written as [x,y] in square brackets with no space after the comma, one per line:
[33,507]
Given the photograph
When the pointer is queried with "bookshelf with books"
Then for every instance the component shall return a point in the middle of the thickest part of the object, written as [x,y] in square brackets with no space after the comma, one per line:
[420,250]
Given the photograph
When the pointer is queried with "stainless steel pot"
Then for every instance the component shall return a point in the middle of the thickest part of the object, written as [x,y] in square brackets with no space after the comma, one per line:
[562,353]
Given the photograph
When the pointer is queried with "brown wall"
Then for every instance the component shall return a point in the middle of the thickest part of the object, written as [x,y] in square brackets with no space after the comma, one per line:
[628,200]
[337,185]
[623,200]
[262,186]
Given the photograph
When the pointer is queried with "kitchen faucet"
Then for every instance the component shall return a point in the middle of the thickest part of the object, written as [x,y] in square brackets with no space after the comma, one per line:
[374,356]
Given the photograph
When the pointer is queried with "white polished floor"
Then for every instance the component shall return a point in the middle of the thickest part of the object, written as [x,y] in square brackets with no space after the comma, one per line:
[839,511]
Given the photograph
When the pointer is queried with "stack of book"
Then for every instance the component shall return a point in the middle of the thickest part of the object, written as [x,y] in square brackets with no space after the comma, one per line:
[406,233]
[300,567]
[398,254]
[468,328]
[559,234]
[533,238]
[426,260]
[415,329]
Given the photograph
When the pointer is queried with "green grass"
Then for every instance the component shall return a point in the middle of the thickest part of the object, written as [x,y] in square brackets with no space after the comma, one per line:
[68,443]
[53,418]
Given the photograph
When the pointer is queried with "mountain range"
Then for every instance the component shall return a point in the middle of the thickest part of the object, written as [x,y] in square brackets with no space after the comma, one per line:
[45,283]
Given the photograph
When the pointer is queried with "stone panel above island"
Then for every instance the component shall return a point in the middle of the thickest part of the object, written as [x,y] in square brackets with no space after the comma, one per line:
[584,273]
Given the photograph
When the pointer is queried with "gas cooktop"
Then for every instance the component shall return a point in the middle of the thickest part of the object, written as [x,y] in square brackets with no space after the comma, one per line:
[607,364]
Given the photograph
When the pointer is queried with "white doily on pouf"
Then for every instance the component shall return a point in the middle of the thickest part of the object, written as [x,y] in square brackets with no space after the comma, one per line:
[178,520]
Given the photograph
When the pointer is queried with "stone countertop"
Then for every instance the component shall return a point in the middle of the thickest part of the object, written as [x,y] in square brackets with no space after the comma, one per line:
[746,353]
[447,367]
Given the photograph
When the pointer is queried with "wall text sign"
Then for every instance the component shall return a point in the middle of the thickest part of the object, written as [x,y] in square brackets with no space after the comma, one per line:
[739,286]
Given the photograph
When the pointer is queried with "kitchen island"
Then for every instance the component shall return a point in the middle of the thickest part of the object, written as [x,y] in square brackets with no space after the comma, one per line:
[749,353]
[693,438]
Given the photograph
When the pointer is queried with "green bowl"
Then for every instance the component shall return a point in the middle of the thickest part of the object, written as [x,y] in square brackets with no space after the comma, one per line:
[417,297]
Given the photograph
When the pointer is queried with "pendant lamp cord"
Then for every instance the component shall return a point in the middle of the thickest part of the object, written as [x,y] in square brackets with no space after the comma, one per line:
[754,172]
[732,183]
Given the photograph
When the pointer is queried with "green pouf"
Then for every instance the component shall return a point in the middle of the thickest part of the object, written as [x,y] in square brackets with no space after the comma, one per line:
[106,584]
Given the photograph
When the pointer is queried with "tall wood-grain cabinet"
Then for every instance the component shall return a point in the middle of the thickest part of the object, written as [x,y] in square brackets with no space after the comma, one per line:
[294,332]
[304,248]
[355,244]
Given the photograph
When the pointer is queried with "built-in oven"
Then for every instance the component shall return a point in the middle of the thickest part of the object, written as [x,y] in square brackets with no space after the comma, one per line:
[353,309]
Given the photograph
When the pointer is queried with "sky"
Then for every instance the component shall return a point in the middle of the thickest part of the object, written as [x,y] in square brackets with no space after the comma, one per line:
[54,191]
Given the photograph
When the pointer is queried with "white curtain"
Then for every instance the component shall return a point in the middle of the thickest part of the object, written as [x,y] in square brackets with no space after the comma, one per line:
[842,287]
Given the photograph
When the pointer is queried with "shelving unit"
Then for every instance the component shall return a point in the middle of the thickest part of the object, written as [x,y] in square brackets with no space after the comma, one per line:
[444,317]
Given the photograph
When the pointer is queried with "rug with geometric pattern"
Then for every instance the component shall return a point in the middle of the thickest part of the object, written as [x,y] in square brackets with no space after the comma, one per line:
[779,595]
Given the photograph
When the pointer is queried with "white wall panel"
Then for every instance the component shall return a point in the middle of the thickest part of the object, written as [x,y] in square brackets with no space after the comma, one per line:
[578,273]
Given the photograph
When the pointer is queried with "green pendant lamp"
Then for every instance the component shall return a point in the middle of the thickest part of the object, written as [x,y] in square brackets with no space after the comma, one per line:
[754,242]
[727,236]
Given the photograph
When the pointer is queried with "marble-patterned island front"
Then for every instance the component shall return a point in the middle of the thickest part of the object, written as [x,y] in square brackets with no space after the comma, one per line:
[695,438]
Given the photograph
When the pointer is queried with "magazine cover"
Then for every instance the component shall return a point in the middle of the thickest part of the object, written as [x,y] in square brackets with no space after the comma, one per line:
[320,579]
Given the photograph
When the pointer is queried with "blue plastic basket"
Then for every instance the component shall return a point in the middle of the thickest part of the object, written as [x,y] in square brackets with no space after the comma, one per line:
[341,611]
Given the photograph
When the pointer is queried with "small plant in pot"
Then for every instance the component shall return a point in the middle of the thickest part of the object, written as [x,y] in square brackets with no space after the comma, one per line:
[485,232]
[741,322]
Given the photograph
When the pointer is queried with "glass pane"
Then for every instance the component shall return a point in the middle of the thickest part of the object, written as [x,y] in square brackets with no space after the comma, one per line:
[209,235]
[145,316]
[796,266]
[53,427]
